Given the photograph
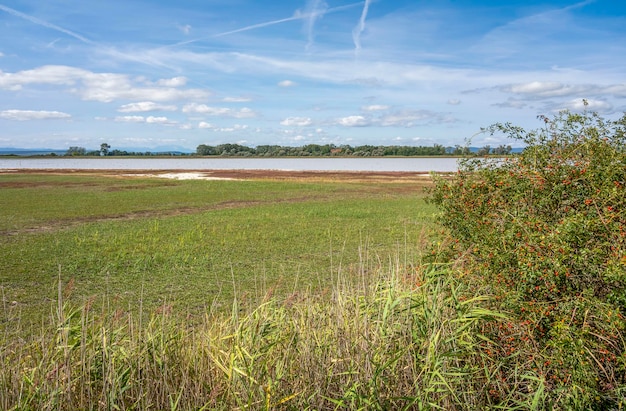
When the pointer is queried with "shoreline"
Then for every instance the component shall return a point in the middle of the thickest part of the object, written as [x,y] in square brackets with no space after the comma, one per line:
[239,174]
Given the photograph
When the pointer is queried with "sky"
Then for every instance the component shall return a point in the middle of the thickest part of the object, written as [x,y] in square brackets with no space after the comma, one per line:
[177,74]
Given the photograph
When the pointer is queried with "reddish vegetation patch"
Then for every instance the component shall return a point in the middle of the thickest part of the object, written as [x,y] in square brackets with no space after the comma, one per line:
[356,176]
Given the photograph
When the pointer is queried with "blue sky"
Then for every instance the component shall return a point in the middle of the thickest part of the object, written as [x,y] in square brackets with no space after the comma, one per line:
[150,74]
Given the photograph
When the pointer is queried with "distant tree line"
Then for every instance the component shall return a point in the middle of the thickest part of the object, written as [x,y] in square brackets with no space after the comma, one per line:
[105,150]
[309,150]
[317,150]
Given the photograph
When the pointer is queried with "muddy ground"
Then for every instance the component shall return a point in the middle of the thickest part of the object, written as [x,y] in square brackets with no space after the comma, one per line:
[360,176]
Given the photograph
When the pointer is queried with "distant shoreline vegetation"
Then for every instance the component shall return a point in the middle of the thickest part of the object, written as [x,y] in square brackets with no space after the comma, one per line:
[309,150]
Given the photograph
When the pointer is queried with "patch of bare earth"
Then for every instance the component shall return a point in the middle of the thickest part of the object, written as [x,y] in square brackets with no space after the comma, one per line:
[345,176]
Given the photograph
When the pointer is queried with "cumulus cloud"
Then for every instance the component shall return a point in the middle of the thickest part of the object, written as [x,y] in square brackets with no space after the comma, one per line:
[205,125]
[25,115]
[158,120]
[145,106]
[103,87]
[129,119]
[286,83]
[353,121]
[142,119]
[297,121]
[218,111]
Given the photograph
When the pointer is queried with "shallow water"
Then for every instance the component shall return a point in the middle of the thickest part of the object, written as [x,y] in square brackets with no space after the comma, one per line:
[406,164]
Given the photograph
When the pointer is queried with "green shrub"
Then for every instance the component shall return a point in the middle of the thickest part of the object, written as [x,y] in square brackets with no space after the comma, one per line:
[545,233]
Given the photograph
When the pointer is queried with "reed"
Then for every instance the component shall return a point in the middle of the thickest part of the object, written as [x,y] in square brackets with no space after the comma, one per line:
[387,336]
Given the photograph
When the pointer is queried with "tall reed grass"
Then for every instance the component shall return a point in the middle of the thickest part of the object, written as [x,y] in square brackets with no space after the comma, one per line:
[389,336]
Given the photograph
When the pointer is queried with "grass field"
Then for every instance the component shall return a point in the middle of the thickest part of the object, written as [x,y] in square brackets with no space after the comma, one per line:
[191,246]
[320,292]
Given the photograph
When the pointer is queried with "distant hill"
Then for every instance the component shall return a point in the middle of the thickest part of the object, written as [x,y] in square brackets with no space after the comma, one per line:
[7,151]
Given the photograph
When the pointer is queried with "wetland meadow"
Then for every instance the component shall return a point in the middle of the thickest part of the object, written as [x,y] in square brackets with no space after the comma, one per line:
[499,286]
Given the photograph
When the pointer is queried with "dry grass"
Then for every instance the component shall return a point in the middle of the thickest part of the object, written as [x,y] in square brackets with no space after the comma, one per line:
[394,338]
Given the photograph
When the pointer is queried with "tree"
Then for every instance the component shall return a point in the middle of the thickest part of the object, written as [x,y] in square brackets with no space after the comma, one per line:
[502,150]
[104,149]
[484,151]
[76,151]
[545,234]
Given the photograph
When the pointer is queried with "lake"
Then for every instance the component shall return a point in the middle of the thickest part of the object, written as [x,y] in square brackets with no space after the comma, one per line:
[403,164]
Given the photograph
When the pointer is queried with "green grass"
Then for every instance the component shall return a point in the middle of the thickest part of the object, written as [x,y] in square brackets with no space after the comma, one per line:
[192,245]
[141,294]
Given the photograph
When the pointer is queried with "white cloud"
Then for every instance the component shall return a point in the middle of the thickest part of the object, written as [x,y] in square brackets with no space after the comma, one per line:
[286,83]
[544,89]
[297,121]
[236,99]
[550,89]
[185,29]
[403,118]
[103,87]
[593,105]
[142,119]
[315,10]
[358,30]
[375,107]
[129,119]
[205,125]
[218,111]
[144,106]
[453,102]
[412,118]
[173,82]
[159,120]
[353,121]
[236,127]
[25,115]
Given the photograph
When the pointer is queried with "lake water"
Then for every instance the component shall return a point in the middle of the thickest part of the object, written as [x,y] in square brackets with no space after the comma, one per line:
[406,164]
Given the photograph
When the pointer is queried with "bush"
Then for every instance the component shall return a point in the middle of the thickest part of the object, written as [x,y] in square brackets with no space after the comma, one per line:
[545,233]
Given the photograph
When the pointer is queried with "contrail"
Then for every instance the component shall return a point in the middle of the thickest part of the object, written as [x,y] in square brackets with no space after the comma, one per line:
[45,24]
[254,26]
[315,10]
[296,16]
[356,33]
[85,40]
